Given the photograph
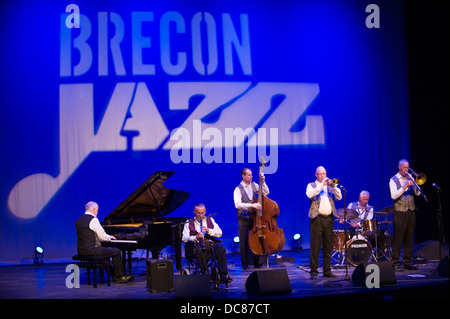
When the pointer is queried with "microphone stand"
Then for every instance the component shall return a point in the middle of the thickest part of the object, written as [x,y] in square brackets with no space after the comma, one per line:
[346,278]
[439,221]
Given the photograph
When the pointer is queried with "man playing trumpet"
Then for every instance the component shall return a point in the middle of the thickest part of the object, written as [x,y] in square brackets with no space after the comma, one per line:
[322,194]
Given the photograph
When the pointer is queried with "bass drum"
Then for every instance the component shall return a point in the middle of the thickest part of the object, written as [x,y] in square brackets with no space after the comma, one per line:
[358,251]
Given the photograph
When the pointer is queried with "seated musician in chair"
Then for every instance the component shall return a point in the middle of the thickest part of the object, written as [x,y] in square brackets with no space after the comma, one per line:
[202,233]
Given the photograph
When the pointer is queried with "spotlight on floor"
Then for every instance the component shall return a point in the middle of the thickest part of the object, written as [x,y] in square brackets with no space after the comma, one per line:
[297,242]
[38,255]
[236,244]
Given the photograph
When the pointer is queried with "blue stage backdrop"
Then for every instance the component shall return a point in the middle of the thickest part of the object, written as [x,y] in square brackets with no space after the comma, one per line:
[98,95]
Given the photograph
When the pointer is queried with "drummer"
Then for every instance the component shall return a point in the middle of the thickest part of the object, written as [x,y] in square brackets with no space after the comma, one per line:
[365,212]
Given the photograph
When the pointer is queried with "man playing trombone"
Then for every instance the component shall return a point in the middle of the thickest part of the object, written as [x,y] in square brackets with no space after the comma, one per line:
[403,188]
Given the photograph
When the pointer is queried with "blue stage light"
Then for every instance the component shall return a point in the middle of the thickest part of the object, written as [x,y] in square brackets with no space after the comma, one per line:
[38,254]
[297,244]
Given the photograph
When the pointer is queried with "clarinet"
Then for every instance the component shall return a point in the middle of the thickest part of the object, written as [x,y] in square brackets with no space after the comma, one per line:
[201,230]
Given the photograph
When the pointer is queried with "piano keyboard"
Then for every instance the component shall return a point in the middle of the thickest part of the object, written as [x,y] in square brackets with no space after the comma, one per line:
[123,241]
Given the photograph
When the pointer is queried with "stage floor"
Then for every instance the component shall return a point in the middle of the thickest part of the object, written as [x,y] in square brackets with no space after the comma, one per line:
[48,281]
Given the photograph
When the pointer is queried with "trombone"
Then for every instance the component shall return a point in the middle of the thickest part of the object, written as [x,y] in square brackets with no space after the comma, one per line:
[419,179]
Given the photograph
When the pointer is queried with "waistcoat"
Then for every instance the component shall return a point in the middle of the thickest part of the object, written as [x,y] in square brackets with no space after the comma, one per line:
[406,200]
[86,237]
[315,202]
[245,199]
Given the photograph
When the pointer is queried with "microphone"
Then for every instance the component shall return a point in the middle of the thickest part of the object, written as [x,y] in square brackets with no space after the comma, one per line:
[434,185]
[342,187]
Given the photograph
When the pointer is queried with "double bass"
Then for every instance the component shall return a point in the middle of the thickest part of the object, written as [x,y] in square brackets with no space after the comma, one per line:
[265,237]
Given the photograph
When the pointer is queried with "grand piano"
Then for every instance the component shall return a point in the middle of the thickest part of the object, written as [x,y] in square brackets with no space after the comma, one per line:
[140,221]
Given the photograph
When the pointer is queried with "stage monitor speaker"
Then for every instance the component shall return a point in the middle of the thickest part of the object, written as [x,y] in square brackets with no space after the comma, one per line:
[192,286]
[443,267]
[159,275]
[429,250]
[267,282]
[386,271]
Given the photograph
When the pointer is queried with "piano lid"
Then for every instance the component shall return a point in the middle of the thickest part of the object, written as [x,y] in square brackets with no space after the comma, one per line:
[150,201]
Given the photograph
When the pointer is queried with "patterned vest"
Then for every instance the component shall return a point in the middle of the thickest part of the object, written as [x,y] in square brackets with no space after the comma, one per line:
[406,201]
[315,202]
[193,231]
[363,216]
[244,197]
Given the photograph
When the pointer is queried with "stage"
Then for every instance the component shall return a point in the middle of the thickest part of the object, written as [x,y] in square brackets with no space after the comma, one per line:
[48,281]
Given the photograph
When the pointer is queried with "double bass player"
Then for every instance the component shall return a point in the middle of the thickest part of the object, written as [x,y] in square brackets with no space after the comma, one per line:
[244,200]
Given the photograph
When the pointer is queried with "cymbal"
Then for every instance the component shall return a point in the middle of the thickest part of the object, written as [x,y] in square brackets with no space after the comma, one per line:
[368,206]
[385,211]
[381,214]
[351,213]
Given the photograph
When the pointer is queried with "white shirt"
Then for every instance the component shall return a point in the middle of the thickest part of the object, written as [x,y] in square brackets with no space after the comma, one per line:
[362,214]
[396,193]
[100,233]
[214,232]
[325,206]
[248,189]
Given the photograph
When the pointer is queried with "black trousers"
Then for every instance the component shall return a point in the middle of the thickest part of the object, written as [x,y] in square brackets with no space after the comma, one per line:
[321,232]
[404,227]
[245,225]
[112,252]
[203,255]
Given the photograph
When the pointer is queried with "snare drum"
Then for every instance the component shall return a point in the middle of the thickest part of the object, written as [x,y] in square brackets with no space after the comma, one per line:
[369,227]
[339,239]
[358,251]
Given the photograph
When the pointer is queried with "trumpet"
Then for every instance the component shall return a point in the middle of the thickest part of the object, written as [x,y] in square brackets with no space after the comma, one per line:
[334,182]
[420,179]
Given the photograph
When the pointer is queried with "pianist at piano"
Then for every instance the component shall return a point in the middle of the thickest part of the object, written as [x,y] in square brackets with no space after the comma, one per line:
[202,233]
[90,233]
[141,222]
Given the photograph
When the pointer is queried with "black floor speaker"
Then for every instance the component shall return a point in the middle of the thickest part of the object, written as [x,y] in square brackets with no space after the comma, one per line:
[268,282]
[386,271]
[429,250]
[192,286]
[443,267]
[159,275]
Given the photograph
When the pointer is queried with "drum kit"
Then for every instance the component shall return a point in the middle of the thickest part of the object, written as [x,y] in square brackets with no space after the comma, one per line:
[371,241]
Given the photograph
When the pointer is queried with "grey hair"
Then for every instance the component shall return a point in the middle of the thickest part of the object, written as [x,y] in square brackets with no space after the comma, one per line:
[89,206]
[364,193]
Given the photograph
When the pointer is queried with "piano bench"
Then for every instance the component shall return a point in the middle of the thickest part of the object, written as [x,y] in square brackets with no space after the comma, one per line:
[94,263]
